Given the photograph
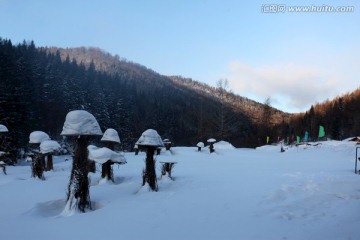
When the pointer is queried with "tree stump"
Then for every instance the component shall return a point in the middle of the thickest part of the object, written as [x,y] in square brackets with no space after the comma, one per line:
[106,168]
[106,171]
[211,147]
[167,168]
[78,191]
[37,166]
[49,163]
[149,174]
[91,166]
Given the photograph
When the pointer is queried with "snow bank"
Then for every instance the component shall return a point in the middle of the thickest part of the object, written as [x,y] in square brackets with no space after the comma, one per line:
[80,122]
[223,145]
[38,137]
[351,139]
[111,135]
[49,146]
[304,193]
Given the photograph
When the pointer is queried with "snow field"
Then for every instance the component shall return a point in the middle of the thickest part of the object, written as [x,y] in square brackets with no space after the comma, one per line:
[307,192]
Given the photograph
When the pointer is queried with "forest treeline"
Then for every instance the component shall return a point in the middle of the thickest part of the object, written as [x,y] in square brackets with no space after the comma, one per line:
[340,118]
[39,86]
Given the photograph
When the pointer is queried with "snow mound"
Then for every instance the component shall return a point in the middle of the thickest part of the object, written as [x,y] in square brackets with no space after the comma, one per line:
[49,146]
[269,148]
[102,155]
[3,128]
[38,137]
[150,138]
[80,122]
[223,145]
[111,135]
[354,139]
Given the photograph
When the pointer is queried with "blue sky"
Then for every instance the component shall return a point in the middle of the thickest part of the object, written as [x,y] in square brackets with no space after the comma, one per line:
[296,59]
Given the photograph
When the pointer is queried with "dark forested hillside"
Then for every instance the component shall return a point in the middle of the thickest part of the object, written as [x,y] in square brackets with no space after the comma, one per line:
[38,88]
[340,117]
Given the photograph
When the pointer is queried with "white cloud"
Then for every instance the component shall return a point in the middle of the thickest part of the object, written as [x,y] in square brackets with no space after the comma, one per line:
[292,88]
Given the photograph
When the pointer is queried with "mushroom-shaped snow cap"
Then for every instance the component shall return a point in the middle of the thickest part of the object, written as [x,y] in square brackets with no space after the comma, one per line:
[211,140]
[200,144]
[38,137]
[102,155]
[80,122]
[166,141]
[111,135]
[150,138]
[49,146]
[3,128]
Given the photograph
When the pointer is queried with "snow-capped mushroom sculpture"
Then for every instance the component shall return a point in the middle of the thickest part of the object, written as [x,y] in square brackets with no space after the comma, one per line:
[110,135]
[200,145]
[136,149]
[103,155]
[48,147]
[110,138]
[38,160]
[167,144]
[150,140]
[82,125]
[3,128]
[38,137]
[211,141]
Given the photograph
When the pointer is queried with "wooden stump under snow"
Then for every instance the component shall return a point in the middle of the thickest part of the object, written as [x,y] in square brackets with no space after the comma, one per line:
[78,196]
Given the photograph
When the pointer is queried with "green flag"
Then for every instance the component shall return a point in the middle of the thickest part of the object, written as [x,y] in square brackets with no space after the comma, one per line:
[267,139]
[321,131]
[297,139]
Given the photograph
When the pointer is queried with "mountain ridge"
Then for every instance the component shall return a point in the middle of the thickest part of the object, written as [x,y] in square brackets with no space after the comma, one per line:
[114,64]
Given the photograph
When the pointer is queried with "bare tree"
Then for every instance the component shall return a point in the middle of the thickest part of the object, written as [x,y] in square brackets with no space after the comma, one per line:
[225,120]
[266,118]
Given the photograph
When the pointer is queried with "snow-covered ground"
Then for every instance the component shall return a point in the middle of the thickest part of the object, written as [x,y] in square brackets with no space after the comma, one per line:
[307,192]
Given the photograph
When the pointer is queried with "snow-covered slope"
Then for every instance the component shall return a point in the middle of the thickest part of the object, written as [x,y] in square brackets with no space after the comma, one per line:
[307,192]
